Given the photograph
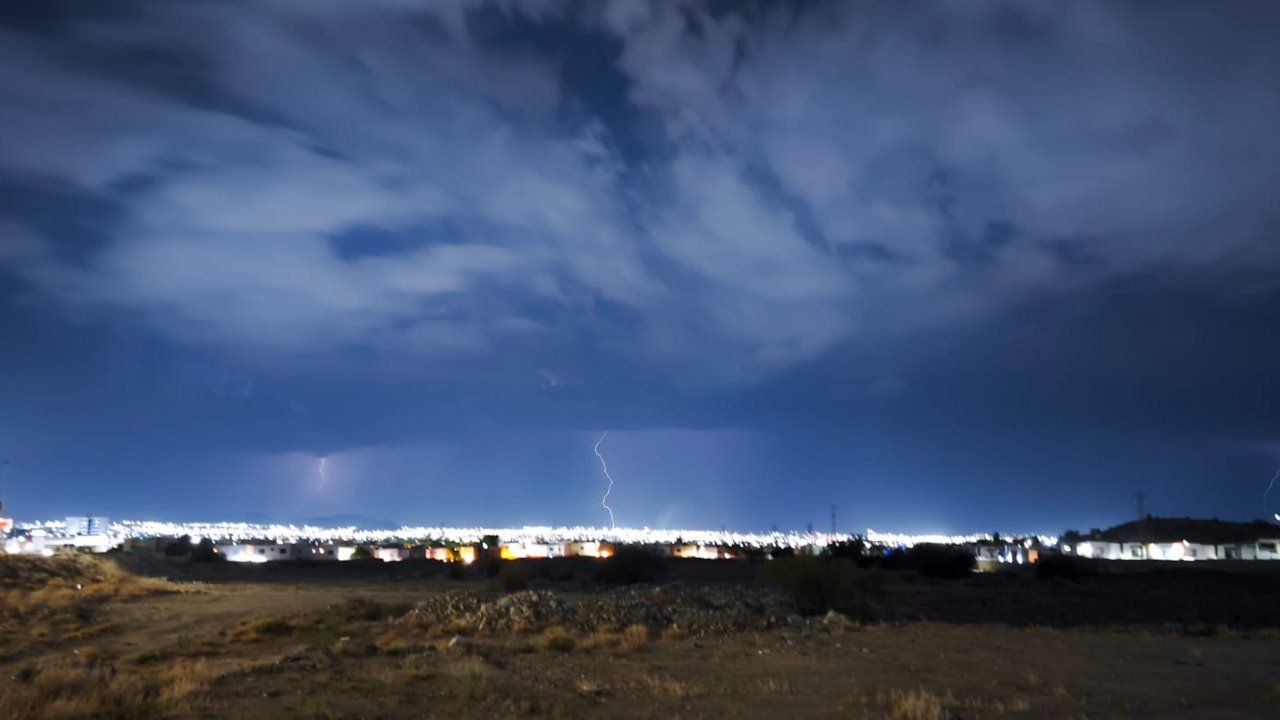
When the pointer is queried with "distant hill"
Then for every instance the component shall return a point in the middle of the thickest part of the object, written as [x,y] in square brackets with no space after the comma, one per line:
[1209,532]
[360,522]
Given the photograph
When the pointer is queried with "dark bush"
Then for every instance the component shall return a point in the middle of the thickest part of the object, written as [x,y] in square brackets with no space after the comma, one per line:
[943,561]
[1051,566]
[850,549]
[512,578]
[818,584]
[178,548]
[935,561]
[488,567]
[629,566]
[205,551]
[362,608]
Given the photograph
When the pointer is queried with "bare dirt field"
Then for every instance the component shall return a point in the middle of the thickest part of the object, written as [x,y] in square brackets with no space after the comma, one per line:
[373,641]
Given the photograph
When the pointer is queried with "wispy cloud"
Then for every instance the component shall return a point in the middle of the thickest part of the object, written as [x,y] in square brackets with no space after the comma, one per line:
[807,179]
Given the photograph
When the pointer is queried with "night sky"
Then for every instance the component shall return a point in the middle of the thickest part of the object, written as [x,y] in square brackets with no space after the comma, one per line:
[954,266]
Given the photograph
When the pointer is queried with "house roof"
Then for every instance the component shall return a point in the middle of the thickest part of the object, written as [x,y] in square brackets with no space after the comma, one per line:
[1208,532]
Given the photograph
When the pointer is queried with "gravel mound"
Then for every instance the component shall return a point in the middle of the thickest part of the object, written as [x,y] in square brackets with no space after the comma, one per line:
[695,610]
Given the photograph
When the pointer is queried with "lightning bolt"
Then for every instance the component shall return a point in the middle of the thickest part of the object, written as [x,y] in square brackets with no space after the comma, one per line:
[320,487]
[1271,485]
[604,501]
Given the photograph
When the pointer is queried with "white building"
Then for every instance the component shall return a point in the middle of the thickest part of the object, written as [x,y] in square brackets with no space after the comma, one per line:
[1180,539]
[391,554]
[267,551]
[86,525]
[517,551]
[258,552]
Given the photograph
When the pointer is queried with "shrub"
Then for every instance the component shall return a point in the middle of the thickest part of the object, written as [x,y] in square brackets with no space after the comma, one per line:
[260,629]
[629,640]
[630,566]
[555,638]
[634,637]
[512,578]
[471,676]
[936,561]
[1058,566]
[92,689]
[913,705]
[317,709]
[942,561]
[817,585]
[362,608]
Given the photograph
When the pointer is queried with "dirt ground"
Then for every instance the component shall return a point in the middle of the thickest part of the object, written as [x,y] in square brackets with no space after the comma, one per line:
[284,649]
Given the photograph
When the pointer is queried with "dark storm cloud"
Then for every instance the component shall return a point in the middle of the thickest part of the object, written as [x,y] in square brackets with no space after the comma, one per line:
[334,224]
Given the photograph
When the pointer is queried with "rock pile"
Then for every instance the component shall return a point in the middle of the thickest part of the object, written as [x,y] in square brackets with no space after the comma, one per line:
[696,610]
[521,612]
[441,610]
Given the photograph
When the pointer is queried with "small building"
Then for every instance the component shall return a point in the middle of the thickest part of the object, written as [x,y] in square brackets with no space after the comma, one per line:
[86,525]
[149,544]
[583,548]
[395,553]
[520,551]
[261,552]
[700,552]
[324,552]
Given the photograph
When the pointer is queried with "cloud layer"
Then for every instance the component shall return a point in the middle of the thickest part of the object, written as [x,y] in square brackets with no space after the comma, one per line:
[734,191]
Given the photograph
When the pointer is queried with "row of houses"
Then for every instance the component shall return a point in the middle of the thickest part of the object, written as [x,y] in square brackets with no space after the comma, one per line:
[1179,539]
[1160,539]
[273,551]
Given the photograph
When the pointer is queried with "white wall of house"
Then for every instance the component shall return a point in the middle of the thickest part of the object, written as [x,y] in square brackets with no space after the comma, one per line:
[321,553]
[1099,549]
[258,552]
[1267,550]
[391,554]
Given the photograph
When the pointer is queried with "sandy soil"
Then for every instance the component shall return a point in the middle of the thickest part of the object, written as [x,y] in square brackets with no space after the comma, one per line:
[903,669]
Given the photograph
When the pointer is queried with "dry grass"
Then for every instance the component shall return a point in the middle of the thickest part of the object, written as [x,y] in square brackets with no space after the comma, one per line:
[634,637]
[416,667]
[391,643]
[601,640]
[352,647]
[53,599]
[587,687]
[774,686]
[1274,693]
[260,629]
[675,632]
[629,640]
[668,687]
[918,704]
[921,704]
[470,677]
[317,709]
[556,637]
[93,689]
